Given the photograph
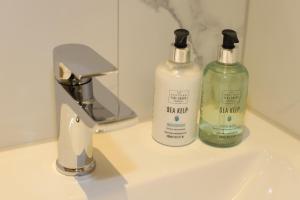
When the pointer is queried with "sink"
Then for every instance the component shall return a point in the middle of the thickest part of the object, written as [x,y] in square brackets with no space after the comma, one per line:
[251,176]
[131,166]
[272,178]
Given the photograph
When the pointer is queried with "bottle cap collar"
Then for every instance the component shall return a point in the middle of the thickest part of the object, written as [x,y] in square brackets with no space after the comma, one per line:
[180,55]
[227,56]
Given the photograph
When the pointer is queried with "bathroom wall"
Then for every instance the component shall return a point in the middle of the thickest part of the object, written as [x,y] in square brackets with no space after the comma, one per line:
[29,31]
[146,31]
[271,56]
[138,41]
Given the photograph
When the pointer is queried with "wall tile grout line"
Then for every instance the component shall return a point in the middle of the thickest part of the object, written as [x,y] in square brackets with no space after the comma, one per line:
[118,55]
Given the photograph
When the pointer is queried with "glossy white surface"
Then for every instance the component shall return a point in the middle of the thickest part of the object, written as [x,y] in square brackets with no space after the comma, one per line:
[177,87]
[271,56]
[131,166]
[30,31]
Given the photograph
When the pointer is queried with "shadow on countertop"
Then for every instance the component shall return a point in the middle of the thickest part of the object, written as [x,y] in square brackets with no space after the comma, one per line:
[105,182]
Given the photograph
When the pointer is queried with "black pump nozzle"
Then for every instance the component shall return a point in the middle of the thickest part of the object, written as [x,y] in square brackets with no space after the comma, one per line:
[181,38]
[229,38]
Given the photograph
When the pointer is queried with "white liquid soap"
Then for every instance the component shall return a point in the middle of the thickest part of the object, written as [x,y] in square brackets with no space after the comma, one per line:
[177,96]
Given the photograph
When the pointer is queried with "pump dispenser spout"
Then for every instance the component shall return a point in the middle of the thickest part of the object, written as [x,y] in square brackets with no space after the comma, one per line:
[181,38]
[229,38]
[180,49]
[227,54]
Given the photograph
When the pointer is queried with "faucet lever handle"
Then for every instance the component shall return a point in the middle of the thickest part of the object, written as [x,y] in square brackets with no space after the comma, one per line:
[79,60]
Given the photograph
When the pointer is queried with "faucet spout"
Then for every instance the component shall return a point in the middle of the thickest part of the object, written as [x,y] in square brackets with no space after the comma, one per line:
[81,105]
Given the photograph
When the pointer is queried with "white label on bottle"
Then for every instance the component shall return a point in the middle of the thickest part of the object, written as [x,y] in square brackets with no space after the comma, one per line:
[175,128]
[175,110]
[178,96]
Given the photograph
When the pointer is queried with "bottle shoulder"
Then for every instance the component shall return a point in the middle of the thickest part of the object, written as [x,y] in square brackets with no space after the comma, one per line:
[178,70]
[217,67]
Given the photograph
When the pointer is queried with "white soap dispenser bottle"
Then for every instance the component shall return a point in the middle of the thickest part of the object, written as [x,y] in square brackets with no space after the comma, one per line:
[176,97]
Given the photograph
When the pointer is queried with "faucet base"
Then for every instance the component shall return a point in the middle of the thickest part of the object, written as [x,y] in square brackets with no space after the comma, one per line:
[76,171]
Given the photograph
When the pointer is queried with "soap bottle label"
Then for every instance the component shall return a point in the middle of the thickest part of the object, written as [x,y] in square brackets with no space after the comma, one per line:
[229,113]
[177,111]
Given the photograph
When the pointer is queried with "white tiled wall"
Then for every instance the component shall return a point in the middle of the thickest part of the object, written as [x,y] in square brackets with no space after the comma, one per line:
[29,31]
[271,55]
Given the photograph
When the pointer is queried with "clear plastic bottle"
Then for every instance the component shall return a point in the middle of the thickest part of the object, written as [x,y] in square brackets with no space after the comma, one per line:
[224,96]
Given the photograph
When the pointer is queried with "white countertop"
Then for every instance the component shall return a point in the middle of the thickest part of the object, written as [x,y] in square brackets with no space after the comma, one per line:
[128,159]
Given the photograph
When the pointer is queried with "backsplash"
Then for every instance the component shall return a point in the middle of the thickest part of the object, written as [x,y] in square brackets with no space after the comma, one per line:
[146,31]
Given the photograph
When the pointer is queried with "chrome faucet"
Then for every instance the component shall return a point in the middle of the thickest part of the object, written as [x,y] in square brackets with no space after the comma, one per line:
[79,114]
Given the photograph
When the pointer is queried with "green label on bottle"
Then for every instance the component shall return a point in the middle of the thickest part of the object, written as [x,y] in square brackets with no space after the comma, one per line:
[229,110]
[231,97]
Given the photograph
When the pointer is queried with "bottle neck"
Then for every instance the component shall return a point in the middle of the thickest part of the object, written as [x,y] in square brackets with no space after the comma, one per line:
[227,56]
[180,55]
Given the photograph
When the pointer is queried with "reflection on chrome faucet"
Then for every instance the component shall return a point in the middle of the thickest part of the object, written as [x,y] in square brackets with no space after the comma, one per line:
[78,111]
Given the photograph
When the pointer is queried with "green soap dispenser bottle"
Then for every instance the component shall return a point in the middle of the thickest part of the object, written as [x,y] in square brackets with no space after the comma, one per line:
[224,95]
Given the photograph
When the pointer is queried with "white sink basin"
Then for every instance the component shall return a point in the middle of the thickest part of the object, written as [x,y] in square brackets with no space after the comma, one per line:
[246,177]
[131,166]
[271,178]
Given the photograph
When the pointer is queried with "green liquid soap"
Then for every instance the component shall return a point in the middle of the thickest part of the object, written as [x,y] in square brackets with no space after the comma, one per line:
[223,101]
